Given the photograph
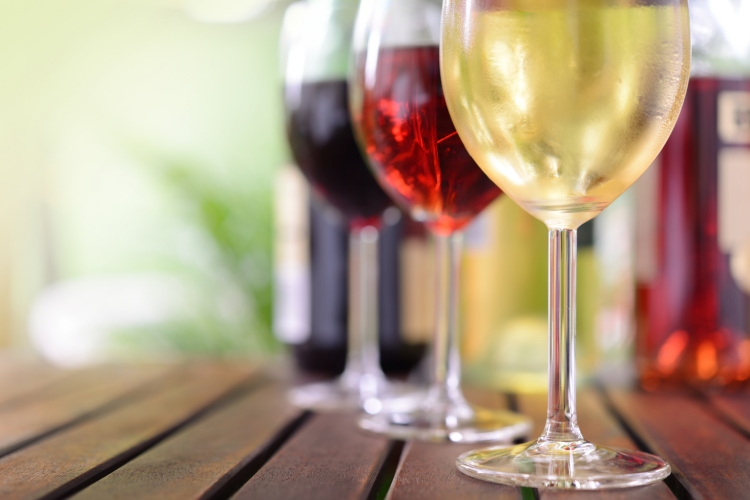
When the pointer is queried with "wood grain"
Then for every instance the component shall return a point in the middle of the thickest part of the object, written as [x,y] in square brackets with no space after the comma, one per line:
[69,399]
[710,459]
[735,408]
[200,459]
[19,379]
[428,470]
[126,428]
[328,458]
[58,464]
[600,427]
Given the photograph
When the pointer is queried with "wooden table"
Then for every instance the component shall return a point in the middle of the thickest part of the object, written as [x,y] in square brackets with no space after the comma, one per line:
[215,432]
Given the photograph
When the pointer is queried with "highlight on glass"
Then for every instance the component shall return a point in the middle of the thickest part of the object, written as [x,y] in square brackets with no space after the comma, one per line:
[403,125]
[564,105]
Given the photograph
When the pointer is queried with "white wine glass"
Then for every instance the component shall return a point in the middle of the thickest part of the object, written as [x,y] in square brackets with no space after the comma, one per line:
[564,105]
[404,127]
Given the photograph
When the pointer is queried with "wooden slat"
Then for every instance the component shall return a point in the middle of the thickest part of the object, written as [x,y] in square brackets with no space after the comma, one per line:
[708,457]
[598,426]
[71,398]
[428,470]
[58,464]
[736,408]
[327,459]
[11,362]
[650,492]
[197,461]
[18,379]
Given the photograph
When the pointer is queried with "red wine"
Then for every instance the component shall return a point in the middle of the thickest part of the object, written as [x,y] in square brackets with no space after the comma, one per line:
[320,133]
[414,147]
[693,318]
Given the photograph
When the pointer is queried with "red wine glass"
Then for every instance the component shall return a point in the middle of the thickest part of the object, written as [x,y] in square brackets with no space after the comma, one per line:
[403,125]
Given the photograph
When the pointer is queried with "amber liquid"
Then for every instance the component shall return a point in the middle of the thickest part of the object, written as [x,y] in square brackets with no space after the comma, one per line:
[693,320]
[415,150]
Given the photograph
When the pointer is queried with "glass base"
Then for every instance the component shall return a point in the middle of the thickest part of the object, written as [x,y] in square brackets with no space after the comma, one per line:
[338,395]
[457,423]
[565,465]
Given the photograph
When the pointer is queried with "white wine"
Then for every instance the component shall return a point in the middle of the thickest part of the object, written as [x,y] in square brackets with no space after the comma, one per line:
[564,108]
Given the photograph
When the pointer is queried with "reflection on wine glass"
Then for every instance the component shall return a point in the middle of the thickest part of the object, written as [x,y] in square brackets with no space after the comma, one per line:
[320,134]
[404,126]
[564,104]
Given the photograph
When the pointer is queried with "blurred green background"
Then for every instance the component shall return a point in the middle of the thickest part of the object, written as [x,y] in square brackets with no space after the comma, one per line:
[138,145]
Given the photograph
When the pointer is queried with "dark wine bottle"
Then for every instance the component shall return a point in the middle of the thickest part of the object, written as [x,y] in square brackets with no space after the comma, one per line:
[311,276]
[312,300]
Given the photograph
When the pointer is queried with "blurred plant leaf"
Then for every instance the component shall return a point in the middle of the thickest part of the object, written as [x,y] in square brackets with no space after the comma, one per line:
[232,219]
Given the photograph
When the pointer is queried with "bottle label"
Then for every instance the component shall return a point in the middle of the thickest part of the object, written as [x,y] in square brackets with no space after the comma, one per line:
[733,122]
[734,197]
[417,297]
[734,117]
[292,282]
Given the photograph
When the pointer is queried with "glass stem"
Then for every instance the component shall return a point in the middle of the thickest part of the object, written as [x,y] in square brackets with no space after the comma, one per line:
[562,422]
[446,361]
[363,357]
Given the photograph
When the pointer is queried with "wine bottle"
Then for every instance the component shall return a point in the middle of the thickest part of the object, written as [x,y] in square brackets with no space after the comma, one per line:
[505,303]
[311,276]
[693,297]
[504,300]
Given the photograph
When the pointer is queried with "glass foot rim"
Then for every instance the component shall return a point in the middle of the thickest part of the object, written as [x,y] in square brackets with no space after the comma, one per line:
[510,426]
[588,482]
[334,396]
[324,396]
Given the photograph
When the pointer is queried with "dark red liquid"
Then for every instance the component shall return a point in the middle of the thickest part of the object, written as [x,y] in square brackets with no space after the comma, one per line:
[693,319]
[413,144]
[322,140]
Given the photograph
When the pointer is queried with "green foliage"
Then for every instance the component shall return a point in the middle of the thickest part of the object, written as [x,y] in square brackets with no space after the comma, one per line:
[228,268]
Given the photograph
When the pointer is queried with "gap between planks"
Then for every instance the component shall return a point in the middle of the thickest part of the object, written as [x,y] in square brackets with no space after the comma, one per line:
[710,459]
[56,466]
[427,471]
[71,399]
[201,460]
[327,458]
[734,408]
[599,426]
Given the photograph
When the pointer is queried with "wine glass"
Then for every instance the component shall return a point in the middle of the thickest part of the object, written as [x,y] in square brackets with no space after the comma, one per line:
[316,39]
[564,105]
[403,125]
